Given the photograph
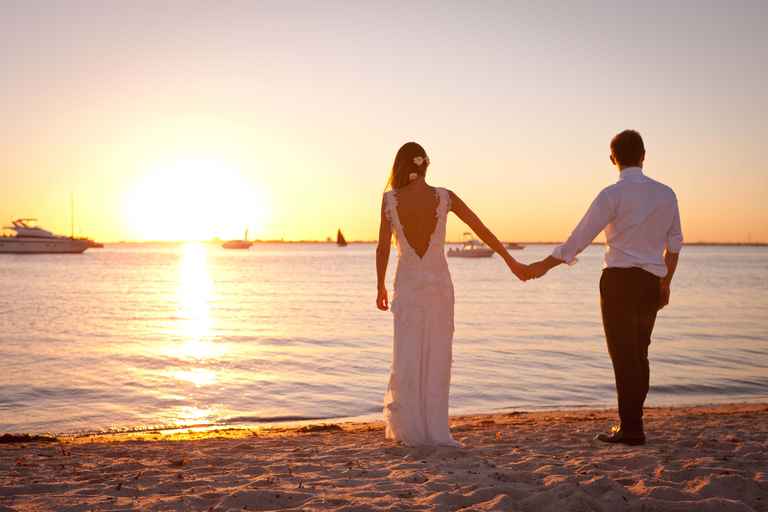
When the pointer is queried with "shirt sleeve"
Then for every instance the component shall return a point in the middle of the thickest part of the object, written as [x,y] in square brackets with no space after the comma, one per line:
[675,234]
[598,216]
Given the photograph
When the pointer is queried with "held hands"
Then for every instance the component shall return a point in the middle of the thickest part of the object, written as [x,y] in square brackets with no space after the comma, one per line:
[526,272]
[521,270]
[538,269]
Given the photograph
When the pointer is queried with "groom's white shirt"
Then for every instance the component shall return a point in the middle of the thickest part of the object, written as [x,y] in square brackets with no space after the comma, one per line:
[640,218]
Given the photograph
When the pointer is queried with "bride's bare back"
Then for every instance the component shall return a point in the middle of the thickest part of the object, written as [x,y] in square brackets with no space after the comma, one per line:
[417,209]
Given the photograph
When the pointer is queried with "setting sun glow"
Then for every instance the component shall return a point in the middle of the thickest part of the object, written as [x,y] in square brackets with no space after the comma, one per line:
[195,199]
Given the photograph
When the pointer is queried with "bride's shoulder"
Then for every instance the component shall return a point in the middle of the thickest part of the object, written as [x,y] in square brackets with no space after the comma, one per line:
[442,190]
[445,192]
[445,203]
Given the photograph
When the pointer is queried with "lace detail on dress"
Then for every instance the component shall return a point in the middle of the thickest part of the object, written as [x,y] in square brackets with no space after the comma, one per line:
[390,208]
[444,206]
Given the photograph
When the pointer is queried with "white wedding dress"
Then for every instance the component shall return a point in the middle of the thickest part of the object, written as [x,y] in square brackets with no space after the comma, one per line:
[416,403]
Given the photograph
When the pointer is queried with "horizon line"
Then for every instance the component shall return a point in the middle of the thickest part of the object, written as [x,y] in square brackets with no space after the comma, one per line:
[452,242]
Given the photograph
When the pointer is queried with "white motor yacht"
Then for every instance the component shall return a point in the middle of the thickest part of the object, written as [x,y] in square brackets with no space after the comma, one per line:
[30,239]
[471,248]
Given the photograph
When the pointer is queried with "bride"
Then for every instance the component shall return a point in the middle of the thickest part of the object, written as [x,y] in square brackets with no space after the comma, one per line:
[416,402]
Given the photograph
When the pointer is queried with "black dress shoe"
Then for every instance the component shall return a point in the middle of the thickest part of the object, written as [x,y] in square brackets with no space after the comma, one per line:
[617,436]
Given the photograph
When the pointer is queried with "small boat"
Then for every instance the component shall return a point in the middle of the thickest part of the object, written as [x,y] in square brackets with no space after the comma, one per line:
[35,240]
[238,244]
[340,240]
[471,248]
[512,246]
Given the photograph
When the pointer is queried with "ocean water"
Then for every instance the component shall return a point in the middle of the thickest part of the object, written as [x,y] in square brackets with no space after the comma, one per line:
[132,336]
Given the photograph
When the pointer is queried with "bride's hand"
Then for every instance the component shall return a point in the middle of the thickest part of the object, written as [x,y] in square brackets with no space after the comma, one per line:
[522,271]
[382,301]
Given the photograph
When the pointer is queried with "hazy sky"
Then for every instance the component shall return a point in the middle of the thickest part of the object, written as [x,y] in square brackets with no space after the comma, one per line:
[191,119]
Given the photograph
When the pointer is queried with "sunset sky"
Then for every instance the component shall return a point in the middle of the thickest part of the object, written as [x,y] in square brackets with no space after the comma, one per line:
[187,119]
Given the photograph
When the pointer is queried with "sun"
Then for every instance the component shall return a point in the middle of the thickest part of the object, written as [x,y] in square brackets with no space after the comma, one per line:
[194,199]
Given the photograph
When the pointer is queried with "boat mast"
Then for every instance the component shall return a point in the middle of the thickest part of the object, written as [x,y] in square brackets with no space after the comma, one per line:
[71,215]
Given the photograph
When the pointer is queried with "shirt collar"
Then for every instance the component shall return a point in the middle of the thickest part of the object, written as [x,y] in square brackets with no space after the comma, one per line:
[630,172]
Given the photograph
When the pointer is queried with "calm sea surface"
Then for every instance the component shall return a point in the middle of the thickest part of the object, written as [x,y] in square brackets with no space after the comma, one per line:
[131,336]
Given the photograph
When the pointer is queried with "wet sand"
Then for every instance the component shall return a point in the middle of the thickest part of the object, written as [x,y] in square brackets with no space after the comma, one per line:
[698,458]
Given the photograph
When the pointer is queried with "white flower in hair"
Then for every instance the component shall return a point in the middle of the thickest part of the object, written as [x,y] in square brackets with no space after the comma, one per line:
[419,160]
[413,176]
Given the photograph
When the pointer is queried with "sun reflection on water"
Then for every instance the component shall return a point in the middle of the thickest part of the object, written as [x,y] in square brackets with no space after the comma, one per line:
[195,330]
[190,415]
[197,376]
[194,294]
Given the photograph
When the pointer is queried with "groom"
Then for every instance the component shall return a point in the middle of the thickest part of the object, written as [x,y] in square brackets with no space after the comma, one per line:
[642,228]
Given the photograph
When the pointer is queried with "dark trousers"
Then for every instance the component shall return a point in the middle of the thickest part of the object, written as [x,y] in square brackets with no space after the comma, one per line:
[629,300]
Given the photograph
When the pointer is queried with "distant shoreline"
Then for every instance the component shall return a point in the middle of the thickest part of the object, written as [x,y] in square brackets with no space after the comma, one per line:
[368,242]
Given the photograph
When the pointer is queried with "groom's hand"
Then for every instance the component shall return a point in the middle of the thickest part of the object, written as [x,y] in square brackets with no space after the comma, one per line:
[538,269]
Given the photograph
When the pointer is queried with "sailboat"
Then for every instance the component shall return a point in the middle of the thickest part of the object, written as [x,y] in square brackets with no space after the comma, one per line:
[238,244]
[340,240]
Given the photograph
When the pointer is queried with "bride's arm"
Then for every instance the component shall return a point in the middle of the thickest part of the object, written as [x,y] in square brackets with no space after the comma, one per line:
[382,259]
[469,218]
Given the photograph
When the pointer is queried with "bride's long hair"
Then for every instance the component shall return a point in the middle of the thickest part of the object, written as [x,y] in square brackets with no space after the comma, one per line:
[404,166]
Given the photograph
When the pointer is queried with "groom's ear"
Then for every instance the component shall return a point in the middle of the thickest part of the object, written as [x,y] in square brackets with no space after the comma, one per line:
[613,160]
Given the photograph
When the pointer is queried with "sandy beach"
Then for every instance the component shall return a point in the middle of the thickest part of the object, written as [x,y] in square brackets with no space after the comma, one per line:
[698,458]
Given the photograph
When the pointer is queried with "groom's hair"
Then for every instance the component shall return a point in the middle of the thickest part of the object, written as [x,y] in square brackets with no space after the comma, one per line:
[627,148]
